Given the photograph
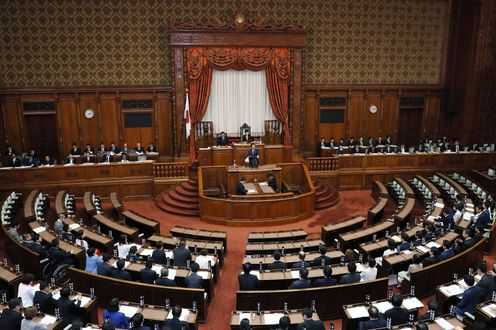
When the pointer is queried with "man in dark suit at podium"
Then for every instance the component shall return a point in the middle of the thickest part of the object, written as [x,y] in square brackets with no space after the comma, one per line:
[222,140]
[240,187]
[253,156]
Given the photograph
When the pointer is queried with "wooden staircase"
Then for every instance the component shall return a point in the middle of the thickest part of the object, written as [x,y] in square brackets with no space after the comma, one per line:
[325,195]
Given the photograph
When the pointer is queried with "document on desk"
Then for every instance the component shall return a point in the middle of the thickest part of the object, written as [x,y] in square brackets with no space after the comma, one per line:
[39,229]
[244,316]
[412,303]
[272,318]
[357,312]
[295,274]
[256,273]
[383,306]
[183,317]
[490,310]
[423,249]
[129,311]
[158,269]
[203,274]
[85,301]
[147,252]
[451,290]
[48,320]
[74,226]
[444,324]
[433,244]
[172,273]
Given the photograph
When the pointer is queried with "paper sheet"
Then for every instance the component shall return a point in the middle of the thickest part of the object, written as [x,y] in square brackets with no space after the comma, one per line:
[440,205]
[358,312]
[212,260]
[172,274]
[383,306]
[146,252]
[295,274]
[169,254]
[412,303]
[74,226]
[256,273]
[47,320]
[39,229]
[244,316]
[85,301]
[490,310]
[433,244]
[467,216]
[272,318]
[423,249]
[157,269]
[129,311]
[359,267]
[444,324]
[451,290]
[203,274]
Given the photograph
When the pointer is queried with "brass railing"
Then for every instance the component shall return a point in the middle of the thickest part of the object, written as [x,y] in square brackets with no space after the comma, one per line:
[322,164]
[170,170]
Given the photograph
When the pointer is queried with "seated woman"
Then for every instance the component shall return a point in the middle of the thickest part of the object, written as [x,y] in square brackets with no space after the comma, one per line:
[112,313]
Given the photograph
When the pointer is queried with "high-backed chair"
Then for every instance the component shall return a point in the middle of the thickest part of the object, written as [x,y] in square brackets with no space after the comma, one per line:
[272,134]
[204,134]
[245,133]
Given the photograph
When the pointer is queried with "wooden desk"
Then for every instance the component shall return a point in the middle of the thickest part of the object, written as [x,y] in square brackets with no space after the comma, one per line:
[108,224]
[403,214]
[377,248]
[301,298]
[376,212]
[379,190]
[246,211]
[201,234]
[486,311]
[290,259]
[430,186]
[116,202]
[48,236]
[144,224]
[89,206]
[269,154]
[105,288]
[11,280]
[426,279]
[331,231]
[279,236]
[53,325]
[351,240]
[288,247]
[29,211]
[94,238]
[267,319]
[60,203]
[406,187]
[458,188]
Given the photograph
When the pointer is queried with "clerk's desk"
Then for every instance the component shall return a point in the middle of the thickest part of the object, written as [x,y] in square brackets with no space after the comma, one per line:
[226,155]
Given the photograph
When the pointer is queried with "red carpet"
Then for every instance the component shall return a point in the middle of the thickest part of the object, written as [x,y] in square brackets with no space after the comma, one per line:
[352,203]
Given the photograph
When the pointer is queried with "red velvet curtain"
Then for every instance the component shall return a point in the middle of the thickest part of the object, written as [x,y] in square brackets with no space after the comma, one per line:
[200,61]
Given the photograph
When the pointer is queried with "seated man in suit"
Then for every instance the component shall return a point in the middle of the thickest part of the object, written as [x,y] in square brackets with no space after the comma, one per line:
[11,317]
[175,323]
[277,264]
[120,272]
[456,147]
[321,145]
[69,308]
[253,156]
[246,280]
[402,149]
[33,242]
[104,268]
[164,278]
[397,314]
[318,260]
[302,263]
[158,254]
[240,188]
[181,254]
[482,217]
[87,158]
[88,149]
[147,274]
[272,182]
[101,150]
[447,250]
[356,149]
[44,299]
[30,161]
[375,321]
[352,277]
[14,161]
[125,158]
[470,298]
[447,219]
[332,143]
[327,280]
[48,161]
[432,258]
[139,149]
[193,280]
[151,149]
[303,282]
[308,322]
[222,140]
[114,150]
[125,149]
[468,239]
[108,158]
[58,256]
[75,151]
[246,137]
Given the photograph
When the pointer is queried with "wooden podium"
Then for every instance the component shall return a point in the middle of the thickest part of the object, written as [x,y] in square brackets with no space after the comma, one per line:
[295,200]
[269,154]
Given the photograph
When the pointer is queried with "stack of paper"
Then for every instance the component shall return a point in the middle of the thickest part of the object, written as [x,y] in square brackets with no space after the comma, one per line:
[272,318]
[129,311]
[451,290]
[47,320]
[172,274]
[295,274]
[433,244]
[157,269]
[358,312]
[444,324]
[423,249]
[490,310]
[146,252]
[39,229]
[383,306]
[203,274]
[412,303]
[244,316]
[74,226]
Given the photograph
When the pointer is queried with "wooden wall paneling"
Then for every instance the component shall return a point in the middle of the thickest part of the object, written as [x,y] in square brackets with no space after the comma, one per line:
[310,133]
[12,122]
[179,84]
[90,127]
[164,124]
[390,115]
[374,120]
[68,119]
[3,145]
[432,115]
[356,115]
[109,118]
[295,109]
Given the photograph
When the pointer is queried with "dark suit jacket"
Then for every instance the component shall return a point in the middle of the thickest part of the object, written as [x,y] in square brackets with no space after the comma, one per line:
[404,246]
[253,153]
[448,221]
[68,310]
[468,242]
[483,219]
[46,302]
[222,141]
[175,324]
[36,247]
[140,150]
[10,319]
[240,189]
[121,274]
[427,261]
[300,264]
[75,152]
[108,159]
[397,315]
[181,256]
[300,284]
[104,269]
[165,281]
[248,282]
[148,275]
[326,281]
[447,254]
[194,281]
[311,325]
[59,256]
[159,257]
[372,324]
[15,162]
[277,264]
[245,138]
[350,278]
[318,260]
[90,160]
[471,297]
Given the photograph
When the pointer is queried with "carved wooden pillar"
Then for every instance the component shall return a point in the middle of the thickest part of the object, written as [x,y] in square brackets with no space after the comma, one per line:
[296,116]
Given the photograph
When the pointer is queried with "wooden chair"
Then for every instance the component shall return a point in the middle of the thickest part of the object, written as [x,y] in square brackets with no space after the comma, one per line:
[204,134]
[272,134]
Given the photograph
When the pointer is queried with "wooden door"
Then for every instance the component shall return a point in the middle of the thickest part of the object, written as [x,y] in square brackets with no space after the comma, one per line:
[40,132]
[409,126]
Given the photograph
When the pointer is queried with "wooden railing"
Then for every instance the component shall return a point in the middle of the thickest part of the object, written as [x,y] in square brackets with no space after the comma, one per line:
[323,164]
[170,170]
